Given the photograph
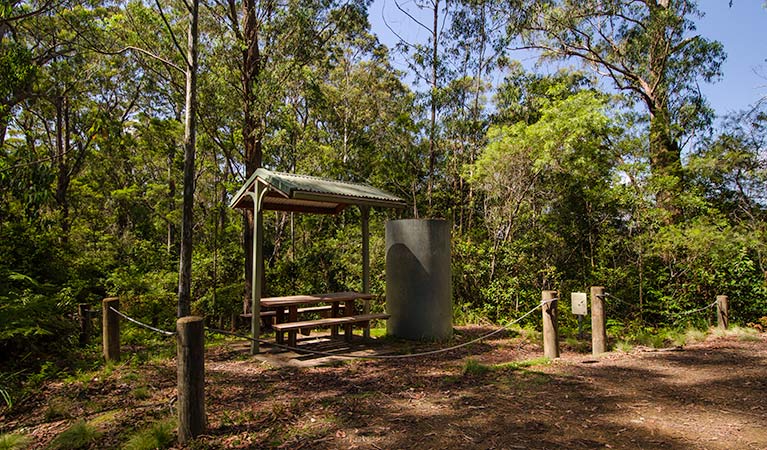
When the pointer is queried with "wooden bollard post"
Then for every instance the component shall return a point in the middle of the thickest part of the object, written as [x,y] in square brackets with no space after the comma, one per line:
[598,320]
[722,312]
[111,328]
[85,323]
[550,330]
[190,344]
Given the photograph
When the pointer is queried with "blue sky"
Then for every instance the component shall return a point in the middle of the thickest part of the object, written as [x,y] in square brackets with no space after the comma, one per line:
[742,29]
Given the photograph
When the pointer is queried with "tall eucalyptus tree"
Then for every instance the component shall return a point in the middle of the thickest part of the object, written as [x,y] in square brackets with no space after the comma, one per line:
[270,43]
[649,50]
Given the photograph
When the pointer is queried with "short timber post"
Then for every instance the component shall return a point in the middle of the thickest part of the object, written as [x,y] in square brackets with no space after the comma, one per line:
[550,337]
[598,319]
[190,344]
[111,328]
[85,323]
[722,312]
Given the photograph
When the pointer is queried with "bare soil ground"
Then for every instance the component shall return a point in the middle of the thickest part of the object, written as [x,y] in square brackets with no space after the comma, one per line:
[708,395]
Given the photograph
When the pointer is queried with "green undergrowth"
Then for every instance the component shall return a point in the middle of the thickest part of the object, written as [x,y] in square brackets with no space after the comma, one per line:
[577,345]
[530,334]
[81,366]
[378,331]
[627,339]
[740,333]
[463,315]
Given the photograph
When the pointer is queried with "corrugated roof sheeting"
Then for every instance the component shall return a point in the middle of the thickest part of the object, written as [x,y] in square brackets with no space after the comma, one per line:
[302,193]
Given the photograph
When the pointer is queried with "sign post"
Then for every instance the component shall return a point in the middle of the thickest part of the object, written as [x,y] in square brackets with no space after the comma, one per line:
[579,308]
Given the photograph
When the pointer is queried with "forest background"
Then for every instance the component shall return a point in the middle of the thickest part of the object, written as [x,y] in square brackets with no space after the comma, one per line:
[125,127]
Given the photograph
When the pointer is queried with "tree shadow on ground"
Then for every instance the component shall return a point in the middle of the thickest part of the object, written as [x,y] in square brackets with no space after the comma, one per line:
[669,400]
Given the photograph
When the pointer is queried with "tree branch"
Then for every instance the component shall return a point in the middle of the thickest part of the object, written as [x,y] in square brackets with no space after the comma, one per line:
[405,12]
[172,34]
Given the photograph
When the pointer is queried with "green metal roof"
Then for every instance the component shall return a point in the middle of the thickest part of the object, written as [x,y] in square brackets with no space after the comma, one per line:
[302,193]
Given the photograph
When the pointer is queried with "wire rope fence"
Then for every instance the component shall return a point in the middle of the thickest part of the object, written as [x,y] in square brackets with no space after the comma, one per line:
[141,324]
[190,338]
[686,313]
[296,349]
[304,350]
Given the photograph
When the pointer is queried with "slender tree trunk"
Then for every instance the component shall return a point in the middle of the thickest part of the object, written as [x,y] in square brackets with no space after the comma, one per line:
[476,113]
[251,133]
[347,112]
[190,138]
[171,197]
[433,101]
[62,155]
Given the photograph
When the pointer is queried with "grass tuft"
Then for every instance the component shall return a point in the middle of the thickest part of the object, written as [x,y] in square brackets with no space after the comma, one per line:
[141,393]
[472,367]
[58,408]
[156,436]
[80,435]
[650,339]
[515,365]
[744,334]
[623,346]
[577,345]
[694,335]
[677,338]
[12,441]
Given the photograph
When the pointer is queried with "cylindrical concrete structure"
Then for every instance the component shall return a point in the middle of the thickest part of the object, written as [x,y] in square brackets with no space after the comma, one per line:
[419,289]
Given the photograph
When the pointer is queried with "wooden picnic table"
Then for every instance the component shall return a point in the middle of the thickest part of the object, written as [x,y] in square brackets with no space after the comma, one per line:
[345,317]
[293,300]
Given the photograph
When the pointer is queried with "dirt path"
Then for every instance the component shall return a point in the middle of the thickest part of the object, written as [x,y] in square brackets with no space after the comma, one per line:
[710,395]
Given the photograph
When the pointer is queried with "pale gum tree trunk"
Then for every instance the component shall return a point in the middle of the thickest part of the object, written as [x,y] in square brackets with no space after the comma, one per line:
[190,138]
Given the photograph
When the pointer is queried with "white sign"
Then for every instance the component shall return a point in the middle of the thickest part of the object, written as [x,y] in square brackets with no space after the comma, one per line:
[578,301]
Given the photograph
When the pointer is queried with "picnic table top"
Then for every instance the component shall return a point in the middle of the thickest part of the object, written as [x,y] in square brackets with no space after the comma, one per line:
[294,300]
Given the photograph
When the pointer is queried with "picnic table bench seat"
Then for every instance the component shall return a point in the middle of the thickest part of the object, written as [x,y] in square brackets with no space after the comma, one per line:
[309,309]
[346,321]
